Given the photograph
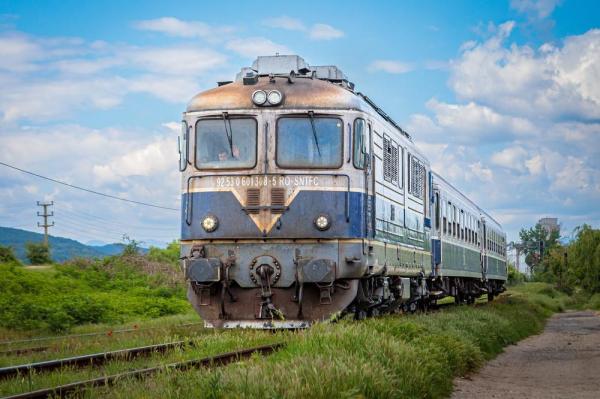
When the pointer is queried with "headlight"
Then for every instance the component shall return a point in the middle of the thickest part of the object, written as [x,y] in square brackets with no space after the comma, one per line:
[259,97]
[322,222]
[210,223]
[274,97]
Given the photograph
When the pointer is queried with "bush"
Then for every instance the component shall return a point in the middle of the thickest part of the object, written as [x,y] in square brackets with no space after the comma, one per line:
[38,253]
[514,276]
[168,255]
[7,255]
[82,291]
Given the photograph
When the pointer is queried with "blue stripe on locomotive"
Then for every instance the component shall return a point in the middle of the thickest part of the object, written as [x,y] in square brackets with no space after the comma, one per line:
[296,222]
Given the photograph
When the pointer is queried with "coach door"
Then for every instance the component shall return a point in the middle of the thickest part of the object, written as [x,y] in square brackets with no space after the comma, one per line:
[484,258]
[369,169]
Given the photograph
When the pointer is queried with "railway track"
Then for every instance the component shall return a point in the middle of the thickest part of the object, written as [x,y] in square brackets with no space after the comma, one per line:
[88,360]
[206,362]
[94,334]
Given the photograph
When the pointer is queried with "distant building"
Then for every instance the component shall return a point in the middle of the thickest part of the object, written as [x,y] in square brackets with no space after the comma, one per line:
[549,224]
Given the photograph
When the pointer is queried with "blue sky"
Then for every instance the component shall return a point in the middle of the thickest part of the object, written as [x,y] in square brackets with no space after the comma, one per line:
[504,96]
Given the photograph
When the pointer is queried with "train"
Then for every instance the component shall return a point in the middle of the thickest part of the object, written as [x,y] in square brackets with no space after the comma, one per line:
[303,201]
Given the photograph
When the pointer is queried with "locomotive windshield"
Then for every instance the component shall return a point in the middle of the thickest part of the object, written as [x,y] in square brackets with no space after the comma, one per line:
[228,143]
[311,142]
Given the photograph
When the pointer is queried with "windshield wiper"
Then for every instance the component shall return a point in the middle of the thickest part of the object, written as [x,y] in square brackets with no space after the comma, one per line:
[229,132]
[314,130]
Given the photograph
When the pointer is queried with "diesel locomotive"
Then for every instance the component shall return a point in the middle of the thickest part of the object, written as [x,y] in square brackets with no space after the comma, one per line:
[302,201]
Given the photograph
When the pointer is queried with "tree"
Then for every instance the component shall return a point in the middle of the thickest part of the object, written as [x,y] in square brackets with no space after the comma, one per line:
[584,259]
[531,239]
[7,255]
[132,247]
[38,253]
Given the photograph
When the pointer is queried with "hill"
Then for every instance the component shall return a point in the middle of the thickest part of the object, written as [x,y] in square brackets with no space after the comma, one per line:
[61,248]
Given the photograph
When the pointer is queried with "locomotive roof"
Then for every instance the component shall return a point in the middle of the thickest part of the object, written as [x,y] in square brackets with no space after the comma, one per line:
[303,93]
[303,87]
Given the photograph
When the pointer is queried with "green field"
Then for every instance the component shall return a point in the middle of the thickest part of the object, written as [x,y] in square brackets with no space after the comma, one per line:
[115,289]
[413,356]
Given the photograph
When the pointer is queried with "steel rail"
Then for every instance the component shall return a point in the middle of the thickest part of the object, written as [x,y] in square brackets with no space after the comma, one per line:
[87,360]
[93,334]
[207,362]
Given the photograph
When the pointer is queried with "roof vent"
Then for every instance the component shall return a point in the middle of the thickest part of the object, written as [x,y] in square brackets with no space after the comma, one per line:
[250,78]
[280,65]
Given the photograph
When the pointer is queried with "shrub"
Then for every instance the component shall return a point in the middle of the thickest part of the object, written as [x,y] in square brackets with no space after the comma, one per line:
[38,253]
[81,291]
[7,255]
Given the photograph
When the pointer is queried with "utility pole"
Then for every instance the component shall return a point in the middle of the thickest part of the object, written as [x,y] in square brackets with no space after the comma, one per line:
[45,215]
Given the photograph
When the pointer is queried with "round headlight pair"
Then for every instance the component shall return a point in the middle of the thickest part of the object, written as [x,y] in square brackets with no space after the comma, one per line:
[322,222]
[210,223]
[261,97]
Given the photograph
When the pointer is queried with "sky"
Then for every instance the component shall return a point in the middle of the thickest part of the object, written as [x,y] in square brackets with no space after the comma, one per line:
[503,96]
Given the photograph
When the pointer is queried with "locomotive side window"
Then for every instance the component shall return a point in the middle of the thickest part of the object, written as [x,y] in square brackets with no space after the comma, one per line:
[360,149]
[314,142]
[228,143]
[183,146]
[390,160]
[416,177]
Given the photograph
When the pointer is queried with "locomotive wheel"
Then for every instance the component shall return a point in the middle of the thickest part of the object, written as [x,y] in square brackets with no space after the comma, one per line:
[490,296]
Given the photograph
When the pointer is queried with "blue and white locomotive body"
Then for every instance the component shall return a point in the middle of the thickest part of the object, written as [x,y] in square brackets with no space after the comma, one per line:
[302,200]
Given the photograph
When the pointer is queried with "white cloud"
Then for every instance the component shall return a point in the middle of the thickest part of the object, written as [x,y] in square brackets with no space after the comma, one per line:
[177,60]
[468,123]
[139,165]
[577,177]
[536,8]
[254,46]
[18,53]
[548,82]
[511,158]
[390,66]
[48,99]
[49,78]
[285,22]
[187,29]
[324,32]
[319,31]
[523,128]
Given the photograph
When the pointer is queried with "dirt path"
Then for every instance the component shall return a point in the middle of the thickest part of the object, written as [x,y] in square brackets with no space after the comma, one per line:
[562,362]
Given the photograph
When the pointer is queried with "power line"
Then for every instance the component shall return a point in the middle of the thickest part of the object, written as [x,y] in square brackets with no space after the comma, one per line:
[87,189]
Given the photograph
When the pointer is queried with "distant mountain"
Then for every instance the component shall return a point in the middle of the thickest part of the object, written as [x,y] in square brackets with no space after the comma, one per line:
[61,249]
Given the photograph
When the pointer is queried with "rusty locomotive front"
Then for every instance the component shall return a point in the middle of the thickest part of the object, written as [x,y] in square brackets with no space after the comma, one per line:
[303,201]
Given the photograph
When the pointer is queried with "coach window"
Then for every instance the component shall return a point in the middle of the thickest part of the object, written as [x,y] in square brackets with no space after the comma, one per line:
[309,142]
[183,146]
[361,152]
[226,143]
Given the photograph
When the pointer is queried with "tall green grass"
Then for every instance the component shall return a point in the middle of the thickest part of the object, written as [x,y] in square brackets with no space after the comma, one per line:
[396,356]
[104,291]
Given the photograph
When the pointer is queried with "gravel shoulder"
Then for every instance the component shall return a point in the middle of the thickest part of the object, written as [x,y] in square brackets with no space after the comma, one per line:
[561,362]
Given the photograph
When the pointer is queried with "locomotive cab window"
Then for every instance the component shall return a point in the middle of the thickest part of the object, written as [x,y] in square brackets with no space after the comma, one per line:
[309,142]
[360,148]
[227,143]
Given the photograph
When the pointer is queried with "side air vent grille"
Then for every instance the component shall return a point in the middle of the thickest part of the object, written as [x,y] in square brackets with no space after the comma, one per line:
[253,200]
[277,199]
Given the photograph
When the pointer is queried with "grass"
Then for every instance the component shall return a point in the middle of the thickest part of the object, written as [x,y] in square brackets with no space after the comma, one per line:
[113,290]
[414,356]
[396,356]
